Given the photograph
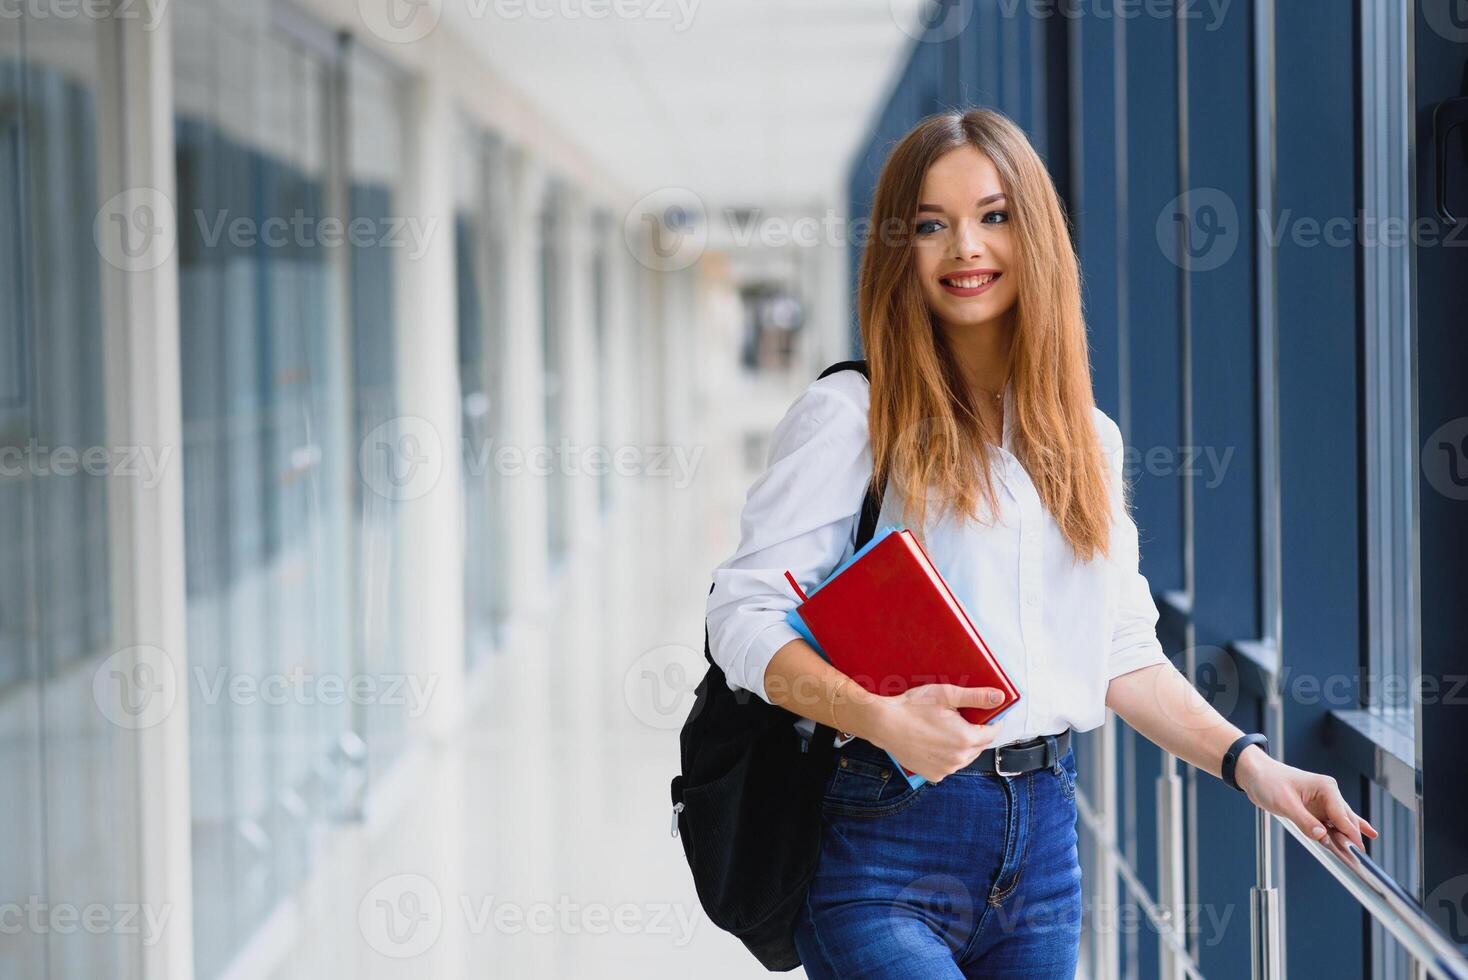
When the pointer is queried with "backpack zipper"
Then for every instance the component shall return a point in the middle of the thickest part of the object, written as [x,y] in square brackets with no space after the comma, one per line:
[677,809]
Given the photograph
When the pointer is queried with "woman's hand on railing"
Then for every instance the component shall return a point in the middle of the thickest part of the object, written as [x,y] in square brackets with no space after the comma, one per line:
[1311,801]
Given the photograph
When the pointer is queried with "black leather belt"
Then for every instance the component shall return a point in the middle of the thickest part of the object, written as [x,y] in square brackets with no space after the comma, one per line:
[1018,758]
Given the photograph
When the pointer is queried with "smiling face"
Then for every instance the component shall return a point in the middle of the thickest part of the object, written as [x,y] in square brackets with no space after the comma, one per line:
[963,245]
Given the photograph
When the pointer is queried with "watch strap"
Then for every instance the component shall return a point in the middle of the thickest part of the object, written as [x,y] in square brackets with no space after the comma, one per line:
[1231,757]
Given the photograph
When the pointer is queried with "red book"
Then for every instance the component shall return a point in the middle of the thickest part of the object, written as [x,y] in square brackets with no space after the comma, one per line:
[887,619]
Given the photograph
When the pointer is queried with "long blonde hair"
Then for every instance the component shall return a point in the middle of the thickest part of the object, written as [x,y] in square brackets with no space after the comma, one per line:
[923,423]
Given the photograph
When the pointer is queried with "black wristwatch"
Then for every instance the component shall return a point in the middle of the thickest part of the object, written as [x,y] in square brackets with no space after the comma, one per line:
[1231,757]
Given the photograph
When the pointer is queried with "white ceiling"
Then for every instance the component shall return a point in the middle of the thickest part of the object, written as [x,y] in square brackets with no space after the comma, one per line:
[745,102]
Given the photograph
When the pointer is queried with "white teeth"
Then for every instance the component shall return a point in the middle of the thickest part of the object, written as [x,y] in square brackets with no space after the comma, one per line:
[971,282]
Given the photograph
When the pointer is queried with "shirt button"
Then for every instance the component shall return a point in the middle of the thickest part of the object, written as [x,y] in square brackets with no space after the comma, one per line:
[1032,600]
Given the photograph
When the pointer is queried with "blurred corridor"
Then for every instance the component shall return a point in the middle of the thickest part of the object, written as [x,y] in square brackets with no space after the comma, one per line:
[539,832]
[380,381]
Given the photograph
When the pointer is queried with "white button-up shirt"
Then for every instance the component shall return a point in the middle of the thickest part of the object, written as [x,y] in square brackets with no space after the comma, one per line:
[1061,629]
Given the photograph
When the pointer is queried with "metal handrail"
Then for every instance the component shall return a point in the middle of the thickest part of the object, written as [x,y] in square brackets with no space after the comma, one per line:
[1160,918]
[1379,894]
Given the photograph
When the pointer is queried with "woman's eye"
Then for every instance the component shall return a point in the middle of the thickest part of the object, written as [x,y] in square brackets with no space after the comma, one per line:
[1003,216]
[929,226]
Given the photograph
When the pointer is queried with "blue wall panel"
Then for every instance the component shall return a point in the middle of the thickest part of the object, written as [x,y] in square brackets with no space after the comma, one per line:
[1319,425]
[1218,260]
[1151,331]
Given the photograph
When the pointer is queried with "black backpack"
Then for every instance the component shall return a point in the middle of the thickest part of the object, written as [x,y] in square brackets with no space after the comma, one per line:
[747,804]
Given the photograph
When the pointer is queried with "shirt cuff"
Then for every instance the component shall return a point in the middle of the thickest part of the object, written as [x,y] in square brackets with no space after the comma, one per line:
[762,649]
[1131,658]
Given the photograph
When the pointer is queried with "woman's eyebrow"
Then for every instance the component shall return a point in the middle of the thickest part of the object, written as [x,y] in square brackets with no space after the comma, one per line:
[935,209]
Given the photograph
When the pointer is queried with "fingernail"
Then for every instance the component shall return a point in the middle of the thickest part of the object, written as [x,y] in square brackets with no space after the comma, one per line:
[1318,833]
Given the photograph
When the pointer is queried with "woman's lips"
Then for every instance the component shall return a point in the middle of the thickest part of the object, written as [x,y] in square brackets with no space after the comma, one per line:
[947,283]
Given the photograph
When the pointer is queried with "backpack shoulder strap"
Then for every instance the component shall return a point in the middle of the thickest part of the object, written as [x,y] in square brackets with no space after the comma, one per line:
[860,365]
[871,505]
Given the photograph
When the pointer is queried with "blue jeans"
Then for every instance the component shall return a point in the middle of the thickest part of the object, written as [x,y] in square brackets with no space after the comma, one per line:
[974,876]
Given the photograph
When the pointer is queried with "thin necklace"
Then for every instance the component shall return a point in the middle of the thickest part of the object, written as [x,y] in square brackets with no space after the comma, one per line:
[996,395]
[997,399]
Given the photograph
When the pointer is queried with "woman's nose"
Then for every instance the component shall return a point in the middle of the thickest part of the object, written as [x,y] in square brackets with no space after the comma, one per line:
[967,242]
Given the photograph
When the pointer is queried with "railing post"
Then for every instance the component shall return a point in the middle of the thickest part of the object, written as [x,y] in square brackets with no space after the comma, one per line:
[1264,907]
[1171,888]
[1106,934]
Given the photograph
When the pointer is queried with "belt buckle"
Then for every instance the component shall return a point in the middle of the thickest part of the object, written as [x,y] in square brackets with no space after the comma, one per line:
[999,766]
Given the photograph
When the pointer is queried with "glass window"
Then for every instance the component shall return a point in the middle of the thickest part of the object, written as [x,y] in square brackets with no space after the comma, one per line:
[600,313]
[1387,301]
[267,455]
[1390,471]
[553,226]
[67,793]
[479,224]
[378,127]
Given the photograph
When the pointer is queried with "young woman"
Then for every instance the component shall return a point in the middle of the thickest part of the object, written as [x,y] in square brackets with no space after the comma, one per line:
[980,424]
